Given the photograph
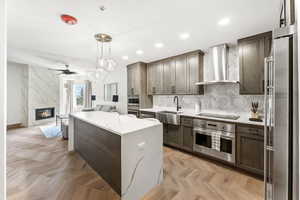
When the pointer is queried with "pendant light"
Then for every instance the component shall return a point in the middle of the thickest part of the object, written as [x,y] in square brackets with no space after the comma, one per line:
[104,57]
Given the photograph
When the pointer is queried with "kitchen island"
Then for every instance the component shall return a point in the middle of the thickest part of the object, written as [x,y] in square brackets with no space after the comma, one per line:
[125,151]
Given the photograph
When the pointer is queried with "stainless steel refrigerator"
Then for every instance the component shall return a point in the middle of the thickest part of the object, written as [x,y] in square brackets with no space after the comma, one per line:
[281,110]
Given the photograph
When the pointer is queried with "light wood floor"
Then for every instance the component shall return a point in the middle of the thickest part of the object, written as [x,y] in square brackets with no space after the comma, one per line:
[42,169]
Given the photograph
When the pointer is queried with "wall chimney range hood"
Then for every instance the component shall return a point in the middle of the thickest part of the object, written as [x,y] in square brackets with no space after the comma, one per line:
[217,71]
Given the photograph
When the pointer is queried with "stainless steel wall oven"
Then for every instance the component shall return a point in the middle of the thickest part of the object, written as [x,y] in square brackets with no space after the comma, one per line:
[215,139]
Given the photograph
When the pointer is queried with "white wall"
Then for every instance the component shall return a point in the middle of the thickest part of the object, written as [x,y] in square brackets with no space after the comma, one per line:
[17,93]
[118,76]
[2,96]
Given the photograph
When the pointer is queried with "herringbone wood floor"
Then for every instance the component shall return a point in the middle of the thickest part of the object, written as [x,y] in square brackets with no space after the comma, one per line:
[42,169]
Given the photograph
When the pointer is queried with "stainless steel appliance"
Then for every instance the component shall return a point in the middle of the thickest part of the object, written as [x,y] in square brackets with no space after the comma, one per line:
[133,100]
[145,115]
[281,111]
[218,72]
[133,105]
[215,139]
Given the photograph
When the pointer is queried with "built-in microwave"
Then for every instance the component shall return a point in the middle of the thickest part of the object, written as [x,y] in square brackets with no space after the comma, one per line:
[133,100]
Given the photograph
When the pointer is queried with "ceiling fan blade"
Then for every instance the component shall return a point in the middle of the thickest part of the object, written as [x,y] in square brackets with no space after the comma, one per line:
[56,69]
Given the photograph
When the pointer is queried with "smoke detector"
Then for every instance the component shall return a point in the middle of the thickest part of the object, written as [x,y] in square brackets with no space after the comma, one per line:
[68,19]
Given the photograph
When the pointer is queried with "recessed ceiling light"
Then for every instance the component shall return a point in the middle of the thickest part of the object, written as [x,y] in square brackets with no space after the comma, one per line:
[224,21]
[159,45]
[184,36]
[139,52]
[125,57]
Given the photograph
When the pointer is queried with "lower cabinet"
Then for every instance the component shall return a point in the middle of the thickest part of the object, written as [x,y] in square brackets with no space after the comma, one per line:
[249,143]
[187,138]
[180,136]
[250,149]
[172,135]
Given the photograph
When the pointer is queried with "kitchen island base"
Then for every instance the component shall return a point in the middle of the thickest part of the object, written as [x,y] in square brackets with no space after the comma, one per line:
[131,163]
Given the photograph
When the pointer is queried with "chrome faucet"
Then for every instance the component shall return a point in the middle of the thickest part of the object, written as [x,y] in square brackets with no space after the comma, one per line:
[176,99]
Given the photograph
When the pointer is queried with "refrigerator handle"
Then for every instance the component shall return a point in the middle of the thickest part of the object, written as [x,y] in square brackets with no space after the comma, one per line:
[266,74]
[268,91]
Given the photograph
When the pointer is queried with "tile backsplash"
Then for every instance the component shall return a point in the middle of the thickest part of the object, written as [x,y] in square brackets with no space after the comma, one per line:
[224,97]
[216,97]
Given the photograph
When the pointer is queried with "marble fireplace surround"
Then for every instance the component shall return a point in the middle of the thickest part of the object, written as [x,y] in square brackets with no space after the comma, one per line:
[43,92]
[40,89]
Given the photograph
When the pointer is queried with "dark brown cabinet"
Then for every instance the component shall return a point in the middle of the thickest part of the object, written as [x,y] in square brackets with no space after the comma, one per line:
[172,135]
[250,148]
[176,75]
[137,86]
[133,77]
[187,133]
[155,78]
[187,138]
[150,79]
[180,136]
[249,143]
[195,73]
[181,75]
[169,76]
[252,51]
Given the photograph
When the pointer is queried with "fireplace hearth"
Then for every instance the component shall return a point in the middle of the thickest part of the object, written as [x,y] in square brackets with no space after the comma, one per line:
[44,113]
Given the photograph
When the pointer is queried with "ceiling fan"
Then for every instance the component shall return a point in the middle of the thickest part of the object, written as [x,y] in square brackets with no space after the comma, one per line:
[64,71]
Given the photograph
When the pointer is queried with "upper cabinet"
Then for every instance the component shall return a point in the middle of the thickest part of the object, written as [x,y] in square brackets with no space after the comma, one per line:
[176,75]
[252,51]
[155,78]
[137,84]
[133,78]
[169,76]
[195,73]
[181,75]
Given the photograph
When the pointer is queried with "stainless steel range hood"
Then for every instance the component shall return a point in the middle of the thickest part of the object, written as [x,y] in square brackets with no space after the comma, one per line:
[217,71]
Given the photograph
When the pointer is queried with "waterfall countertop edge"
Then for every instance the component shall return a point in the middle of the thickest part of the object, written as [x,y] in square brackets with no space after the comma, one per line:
[115,122]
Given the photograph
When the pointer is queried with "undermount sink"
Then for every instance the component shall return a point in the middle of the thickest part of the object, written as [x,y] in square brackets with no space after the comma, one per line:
[169,117]
[217,115]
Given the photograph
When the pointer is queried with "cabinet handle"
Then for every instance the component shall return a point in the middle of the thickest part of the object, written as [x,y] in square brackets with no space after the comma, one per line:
[173,89]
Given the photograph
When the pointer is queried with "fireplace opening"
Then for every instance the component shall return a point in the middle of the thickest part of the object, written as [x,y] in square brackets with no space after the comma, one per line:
[44,113]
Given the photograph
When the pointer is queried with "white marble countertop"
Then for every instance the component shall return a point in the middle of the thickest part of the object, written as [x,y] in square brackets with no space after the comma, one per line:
[114,122]
[243,119]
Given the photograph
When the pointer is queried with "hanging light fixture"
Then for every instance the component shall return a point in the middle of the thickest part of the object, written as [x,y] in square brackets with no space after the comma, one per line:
[104,58]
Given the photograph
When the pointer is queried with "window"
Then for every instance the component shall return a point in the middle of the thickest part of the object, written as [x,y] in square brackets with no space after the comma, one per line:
[79,94]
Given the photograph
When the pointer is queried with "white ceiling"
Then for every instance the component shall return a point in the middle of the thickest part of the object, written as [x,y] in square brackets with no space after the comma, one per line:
[36,34]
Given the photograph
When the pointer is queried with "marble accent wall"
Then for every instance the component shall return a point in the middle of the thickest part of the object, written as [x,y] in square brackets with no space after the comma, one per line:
[217,97]
[17,93]
[43,92]
[25,95]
